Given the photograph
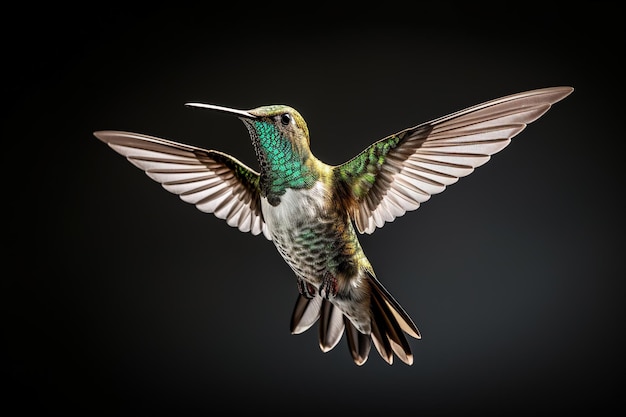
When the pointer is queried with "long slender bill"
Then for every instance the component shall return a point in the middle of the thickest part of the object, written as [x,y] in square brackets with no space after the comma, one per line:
[222,109]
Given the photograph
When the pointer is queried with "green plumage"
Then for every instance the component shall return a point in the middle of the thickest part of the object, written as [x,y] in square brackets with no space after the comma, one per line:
[361,171]
[282,166]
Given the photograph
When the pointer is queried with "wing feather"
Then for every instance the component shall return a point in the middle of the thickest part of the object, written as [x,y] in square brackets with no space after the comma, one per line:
[398,173]
[212,181]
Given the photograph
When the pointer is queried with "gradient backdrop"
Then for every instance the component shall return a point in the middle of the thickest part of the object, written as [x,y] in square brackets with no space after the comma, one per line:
[120,299]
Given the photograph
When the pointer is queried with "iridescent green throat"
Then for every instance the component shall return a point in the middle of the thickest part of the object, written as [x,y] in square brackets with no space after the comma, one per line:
[282,166]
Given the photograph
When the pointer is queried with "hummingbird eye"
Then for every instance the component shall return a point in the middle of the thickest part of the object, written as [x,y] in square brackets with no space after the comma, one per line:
[285,118]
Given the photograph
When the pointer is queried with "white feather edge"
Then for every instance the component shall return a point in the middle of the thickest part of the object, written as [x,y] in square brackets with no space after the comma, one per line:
[457,144]
[211,187]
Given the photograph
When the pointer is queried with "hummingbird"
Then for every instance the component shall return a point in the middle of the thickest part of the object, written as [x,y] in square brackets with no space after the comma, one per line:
[313,212]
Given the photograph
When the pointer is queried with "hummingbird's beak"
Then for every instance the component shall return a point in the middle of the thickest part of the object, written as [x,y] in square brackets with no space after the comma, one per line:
[240,113]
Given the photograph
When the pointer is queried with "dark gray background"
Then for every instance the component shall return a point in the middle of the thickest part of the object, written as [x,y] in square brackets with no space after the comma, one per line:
[119,299]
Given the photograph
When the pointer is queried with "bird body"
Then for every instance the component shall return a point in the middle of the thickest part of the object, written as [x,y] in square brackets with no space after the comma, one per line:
[313,212]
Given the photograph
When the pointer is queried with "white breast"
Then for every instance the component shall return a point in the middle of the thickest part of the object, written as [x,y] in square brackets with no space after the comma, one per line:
[296,207]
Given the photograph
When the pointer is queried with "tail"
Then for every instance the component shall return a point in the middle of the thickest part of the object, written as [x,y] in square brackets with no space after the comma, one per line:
[389,323]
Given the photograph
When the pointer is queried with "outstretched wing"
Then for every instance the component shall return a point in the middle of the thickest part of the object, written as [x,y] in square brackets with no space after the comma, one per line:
[213,181]
[401,171]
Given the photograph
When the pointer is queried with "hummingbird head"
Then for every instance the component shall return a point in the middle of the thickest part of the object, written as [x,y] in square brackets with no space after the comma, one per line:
[276,126]
[271,127]
[286,119]
[281,141]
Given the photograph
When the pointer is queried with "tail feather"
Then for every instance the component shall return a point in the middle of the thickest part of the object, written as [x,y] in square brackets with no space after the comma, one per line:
[379,337]
[389,323]
[388,328]
[358,343]
[391,306]
[305,313]
[331,325]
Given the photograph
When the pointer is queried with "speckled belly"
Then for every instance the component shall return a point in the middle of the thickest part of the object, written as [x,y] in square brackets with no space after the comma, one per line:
[318,241]
[311,237]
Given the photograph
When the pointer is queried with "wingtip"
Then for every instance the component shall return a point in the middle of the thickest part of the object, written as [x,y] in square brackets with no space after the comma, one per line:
[99,134]
[108,136]
[564,92]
